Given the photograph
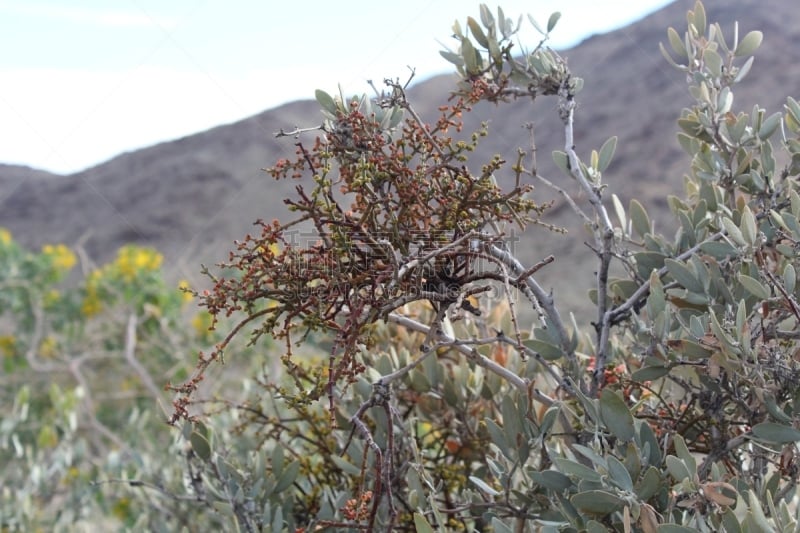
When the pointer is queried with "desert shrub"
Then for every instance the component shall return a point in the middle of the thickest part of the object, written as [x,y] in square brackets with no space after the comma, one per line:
[437,408]
[84,440]
[427,380]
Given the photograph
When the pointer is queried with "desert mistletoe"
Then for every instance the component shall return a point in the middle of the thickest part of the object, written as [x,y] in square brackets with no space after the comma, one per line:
[395,214]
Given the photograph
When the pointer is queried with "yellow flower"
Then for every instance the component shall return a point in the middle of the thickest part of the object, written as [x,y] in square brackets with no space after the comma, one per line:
[7,345]
[201,322]
[91,303]
[5,236]
[51,298]
[122,508]
[47,348]
[183,286]
[61,256]
[131,260]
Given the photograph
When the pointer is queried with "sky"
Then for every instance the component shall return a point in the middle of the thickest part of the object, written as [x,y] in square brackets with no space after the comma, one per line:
[84,80]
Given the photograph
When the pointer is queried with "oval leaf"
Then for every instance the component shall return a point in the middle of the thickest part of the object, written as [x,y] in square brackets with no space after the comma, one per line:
[551,479]
[677,469]
[650,373]
[674,528]
[326,101]
[748,226]
[477,32]
[639,219]
[753,286]
[619,474]
[597,502]
[288,476]
[616,415]
[676,42]
[769,125]
[548,351]
[562,162]
[421,524]
[582,472]
[777,433]
[552,21]
[200,446]
[606,153]
[749,44]
[683,275]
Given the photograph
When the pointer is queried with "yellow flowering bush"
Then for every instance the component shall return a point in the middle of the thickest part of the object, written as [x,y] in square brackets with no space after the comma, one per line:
[60,256]
[91,302]
[134,276]
[94,355]
[186,294]
[133,261]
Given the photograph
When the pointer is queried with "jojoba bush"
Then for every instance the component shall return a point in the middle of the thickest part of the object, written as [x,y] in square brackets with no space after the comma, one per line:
[436,407]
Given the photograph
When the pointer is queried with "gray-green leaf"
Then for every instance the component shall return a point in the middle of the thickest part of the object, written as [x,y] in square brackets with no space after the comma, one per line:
[606,153]
[552,21]
[596,501]
[326,101]
[616,415]
[777,433]
[749,44]
[200,446]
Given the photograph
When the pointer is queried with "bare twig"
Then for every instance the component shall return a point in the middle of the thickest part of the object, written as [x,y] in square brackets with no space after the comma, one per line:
[297,131]
[548,304]
[130,357]
[471,353]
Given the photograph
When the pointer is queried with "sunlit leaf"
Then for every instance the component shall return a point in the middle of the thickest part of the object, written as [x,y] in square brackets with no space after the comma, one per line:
[749,44]
[713,62]
[477,32]
[452,57]
[483,486]
[326,101]
[676,42]
[552,21]
[581,472]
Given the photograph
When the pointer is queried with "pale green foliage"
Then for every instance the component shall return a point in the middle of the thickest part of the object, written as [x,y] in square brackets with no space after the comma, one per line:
[84,442]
